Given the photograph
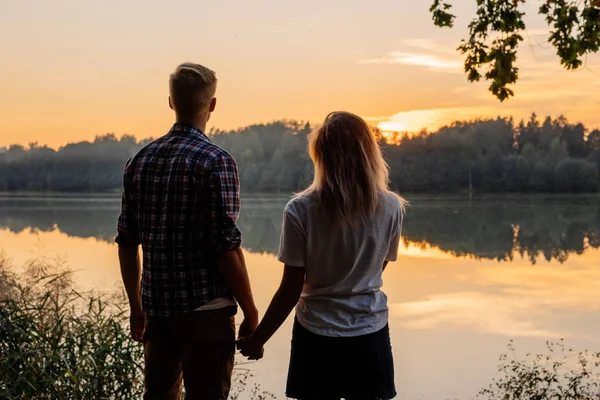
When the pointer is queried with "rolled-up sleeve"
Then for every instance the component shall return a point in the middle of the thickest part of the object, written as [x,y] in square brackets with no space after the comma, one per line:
[127,225]
[225,189]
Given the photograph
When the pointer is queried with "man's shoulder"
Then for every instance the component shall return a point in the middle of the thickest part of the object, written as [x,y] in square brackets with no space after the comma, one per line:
[194,148]
[146,149]
[200,149]
[215,152]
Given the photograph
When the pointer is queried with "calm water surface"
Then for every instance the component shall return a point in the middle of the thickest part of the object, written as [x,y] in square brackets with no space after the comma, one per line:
[471,275]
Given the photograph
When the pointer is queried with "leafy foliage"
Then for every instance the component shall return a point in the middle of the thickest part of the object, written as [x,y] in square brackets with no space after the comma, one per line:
[57,343]
[440,14]
[495,35]
[560,374]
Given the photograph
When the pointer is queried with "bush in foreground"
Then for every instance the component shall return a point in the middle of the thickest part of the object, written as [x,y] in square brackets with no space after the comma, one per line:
[559,374]
[57,343]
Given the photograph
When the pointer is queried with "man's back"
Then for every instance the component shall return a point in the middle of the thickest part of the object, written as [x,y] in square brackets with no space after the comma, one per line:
[180,202]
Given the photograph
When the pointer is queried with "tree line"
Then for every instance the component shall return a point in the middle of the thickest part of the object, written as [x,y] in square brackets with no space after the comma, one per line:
[493,155]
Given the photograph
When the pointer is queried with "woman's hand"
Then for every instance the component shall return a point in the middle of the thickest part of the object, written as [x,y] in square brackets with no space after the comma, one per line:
[251,348]
[282,304]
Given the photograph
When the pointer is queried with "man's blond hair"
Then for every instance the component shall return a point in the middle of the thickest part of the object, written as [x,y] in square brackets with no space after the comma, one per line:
[192,88]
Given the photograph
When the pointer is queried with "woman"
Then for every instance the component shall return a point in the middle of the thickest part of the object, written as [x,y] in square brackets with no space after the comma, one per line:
[337,238]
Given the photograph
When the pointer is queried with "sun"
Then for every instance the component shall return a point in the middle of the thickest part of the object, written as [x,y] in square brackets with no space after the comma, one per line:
[392,126]
[415,121]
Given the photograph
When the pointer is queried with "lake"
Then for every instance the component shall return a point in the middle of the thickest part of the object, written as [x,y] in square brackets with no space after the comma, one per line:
[471,275]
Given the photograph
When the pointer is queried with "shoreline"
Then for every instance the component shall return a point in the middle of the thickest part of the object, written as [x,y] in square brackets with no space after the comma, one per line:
[411,196]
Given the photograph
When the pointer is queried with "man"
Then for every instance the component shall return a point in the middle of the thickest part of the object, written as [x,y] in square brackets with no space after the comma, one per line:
[181,200]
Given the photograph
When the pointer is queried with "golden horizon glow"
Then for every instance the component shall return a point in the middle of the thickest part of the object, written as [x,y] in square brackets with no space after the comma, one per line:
[431,120]
[392,126]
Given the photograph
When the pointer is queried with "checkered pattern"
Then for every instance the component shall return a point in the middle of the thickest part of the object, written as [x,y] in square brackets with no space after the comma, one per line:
[181,201]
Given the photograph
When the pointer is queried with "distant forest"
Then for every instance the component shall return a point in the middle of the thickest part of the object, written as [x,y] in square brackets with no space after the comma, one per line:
[495,155]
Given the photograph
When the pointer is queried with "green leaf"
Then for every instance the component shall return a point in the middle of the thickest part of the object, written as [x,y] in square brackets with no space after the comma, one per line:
[494,36]
[440,15]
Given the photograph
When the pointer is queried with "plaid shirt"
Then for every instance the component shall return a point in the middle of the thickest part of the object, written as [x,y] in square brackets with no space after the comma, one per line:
[181,200]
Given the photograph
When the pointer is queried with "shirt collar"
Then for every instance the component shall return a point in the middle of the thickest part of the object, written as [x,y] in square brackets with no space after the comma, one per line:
[189,129]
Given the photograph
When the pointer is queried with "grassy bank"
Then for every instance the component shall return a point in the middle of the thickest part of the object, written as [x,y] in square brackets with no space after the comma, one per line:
[58,343]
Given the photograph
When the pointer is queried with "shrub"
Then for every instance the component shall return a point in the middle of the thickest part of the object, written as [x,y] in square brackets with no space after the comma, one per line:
[560,374]
[57,343]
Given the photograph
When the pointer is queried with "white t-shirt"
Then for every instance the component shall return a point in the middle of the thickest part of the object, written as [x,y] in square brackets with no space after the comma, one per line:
[342,289]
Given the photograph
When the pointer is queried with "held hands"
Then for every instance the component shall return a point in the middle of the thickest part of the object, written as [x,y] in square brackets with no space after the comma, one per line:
[248,326]
[248,346]
[251,348]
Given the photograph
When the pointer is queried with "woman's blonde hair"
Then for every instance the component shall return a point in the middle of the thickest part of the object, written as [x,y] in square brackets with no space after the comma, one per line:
[350,171]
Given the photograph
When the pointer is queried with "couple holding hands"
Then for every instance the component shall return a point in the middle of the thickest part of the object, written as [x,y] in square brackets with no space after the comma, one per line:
[181,201]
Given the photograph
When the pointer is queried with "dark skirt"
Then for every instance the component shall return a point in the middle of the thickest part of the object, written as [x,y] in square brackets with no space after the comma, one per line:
[340,367]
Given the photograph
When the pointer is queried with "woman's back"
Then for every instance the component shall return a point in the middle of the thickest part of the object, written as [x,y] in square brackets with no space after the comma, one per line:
[336,238]
[344,264]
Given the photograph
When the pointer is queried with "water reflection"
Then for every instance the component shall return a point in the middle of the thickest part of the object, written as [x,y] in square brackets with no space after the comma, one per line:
[96,218]
[452,306]
[534,227]
[494,228]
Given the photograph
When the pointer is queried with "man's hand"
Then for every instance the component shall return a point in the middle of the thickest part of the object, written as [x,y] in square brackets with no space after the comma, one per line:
[252,349]
[137,322]
[232,268]
[248,326]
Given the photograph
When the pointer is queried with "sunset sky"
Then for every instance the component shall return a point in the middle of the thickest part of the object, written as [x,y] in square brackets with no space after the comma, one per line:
[74,69]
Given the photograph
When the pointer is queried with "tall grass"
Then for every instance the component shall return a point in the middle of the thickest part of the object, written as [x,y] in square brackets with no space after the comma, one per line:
[58,343]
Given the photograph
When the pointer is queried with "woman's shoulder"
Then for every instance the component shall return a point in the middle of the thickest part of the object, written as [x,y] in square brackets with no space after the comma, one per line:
[300,203]
[393,203]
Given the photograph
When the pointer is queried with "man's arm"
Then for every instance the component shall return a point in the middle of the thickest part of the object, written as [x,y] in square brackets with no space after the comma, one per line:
[131,272]
[225,188]
[232,268]
[129,258]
